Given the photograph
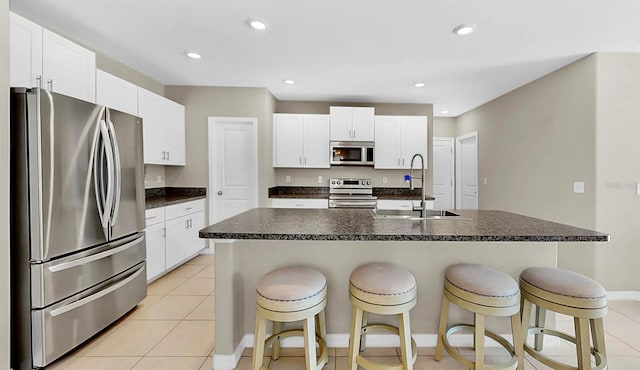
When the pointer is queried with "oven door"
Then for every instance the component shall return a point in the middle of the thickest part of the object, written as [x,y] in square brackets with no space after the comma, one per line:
[346,153]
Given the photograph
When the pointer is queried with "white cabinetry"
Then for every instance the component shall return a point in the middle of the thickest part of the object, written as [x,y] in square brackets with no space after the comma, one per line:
[172,236]
[401,204]
[301,140]
[116,93]
[352,123]
[41,58]
[163,127]
[397,139]
[299,203]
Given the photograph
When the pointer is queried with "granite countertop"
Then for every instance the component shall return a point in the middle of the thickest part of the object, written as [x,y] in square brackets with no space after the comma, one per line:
[161,197]
[322,192]
[358,224]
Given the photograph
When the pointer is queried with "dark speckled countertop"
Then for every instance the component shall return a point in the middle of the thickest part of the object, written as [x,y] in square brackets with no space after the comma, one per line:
[358,224]
[322,192]
[161,197]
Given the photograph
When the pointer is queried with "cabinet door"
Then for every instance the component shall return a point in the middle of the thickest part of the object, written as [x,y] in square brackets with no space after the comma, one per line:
[150,109]
[155,235]
[194,244]
[174,133]
[116,93]
[395,204]
[387,142]
[288,140]
[363,124]
[299,203]
[341,123]
[67,67]
[177,233]
[25,52]
[414,139]
[316,141]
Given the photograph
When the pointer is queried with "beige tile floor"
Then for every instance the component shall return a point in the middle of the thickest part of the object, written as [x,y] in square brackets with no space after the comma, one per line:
[173,329]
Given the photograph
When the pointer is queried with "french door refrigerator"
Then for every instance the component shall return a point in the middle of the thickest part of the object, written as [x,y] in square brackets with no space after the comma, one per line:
[77,222]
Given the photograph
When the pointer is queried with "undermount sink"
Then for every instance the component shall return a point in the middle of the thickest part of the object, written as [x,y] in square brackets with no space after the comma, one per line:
[432,214]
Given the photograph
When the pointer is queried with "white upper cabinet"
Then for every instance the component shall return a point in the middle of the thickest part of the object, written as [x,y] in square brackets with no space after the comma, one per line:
[163,128]
[352,123]
[397,139]
[301,140]
[116,93]
[41,58]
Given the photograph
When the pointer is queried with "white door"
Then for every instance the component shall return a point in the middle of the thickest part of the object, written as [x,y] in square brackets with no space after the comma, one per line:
[233,166]
[443,172]
[467,164]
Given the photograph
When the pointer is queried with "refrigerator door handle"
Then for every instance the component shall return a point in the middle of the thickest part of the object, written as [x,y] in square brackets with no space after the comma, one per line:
[93,297]
[117,183]
[108,206]
[95,257]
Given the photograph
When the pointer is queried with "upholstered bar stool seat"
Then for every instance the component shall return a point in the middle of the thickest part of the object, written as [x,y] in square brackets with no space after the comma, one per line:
[571,294]
[291,294]
[485,292]
[384,289]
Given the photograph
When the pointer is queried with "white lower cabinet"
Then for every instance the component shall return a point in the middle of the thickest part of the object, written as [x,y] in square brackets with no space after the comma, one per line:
[401,204]
[299,203]
[172,236]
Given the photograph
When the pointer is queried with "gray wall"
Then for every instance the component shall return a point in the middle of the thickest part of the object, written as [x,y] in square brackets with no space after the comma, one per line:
[116,68]
[444,127]
[618,169]
[4,184]
[204,102]
[395,178]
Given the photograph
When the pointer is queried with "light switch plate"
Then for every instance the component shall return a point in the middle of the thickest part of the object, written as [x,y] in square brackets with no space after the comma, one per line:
[287,179]
[384,179]
[319,179]
[578,187]
[637,188]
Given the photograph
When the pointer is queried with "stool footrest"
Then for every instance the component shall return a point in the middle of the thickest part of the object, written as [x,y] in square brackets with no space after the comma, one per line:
[600,358]
[511,365]
[377,328]
[323,358]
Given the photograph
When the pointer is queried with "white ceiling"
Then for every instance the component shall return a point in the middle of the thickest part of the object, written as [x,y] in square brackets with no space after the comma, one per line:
[348,50]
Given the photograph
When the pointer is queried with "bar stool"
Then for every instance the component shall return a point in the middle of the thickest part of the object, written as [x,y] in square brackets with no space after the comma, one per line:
[485,292]
[291,294]
[571,294]
[384,289]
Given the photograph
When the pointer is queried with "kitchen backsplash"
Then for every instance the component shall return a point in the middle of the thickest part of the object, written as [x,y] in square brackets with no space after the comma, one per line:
[309,177]
[154,176]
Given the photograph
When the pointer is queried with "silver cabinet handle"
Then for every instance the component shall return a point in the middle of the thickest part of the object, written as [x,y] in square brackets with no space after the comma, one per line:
[95,257]
[150,218]
[168,154]
[39,81]
[398,162]
[188,208]
[305,160]
[164,232]
[50,84]
[220,193]
[354,134]
[98,295]
[300,160]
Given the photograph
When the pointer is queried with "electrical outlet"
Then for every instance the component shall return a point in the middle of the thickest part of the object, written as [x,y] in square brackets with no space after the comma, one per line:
[384,179]
[485,181]
[637,188]
[578,187]
[287,179]
[159,178]
[319,179]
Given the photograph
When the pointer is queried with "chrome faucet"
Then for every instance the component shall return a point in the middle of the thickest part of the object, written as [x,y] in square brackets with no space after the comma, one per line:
[423,205]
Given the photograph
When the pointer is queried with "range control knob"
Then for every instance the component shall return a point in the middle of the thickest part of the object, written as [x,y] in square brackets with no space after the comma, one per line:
[368,182]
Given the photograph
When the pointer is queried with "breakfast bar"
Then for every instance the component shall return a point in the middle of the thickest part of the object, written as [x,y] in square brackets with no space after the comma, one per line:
[336,241]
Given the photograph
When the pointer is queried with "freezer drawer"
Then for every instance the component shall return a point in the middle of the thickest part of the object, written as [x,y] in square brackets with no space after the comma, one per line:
[63,277]
[61,327]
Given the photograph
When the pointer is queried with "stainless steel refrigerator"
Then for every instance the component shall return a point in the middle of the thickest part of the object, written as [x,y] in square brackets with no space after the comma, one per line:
[77,222]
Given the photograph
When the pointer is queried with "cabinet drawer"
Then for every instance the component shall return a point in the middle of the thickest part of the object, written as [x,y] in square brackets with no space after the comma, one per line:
[299,203]
[154,216]
[395,204]
[181,209]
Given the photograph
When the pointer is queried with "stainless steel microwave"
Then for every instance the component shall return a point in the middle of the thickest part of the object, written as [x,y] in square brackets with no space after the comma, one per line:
[354,153]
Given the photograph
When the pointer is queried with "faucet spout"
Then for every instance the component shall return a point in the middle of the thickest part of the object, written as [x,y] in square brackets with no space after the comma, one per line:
[423,206]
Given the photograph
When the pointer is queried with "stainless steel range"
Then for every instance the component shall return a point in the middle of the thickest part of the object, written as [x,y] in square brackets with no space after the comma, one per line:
[351,193]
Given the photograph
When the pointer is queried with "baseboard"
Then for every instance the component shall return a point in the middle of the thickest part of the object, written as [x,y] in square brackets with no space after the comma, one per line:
[623,295]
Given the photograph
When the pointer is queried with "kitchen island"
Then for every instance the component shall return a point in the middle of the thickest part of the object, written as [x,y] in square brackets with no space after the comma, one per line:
[335,241]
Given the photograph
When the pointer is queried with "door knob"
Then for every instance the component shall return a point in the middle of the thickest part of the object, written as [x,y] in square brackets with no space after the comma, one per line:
[220,193]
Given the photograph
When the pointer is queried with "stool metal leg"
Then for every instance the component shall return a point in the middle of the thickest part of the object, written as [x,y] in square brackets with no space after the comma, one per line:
[363,338]
[583,348]
[310,343]
[541,315]
[518,344]
[479,341]
[404,330]
[597,333]
[258,342]
[442,328]
[354,341]
[322,325]
[275,349]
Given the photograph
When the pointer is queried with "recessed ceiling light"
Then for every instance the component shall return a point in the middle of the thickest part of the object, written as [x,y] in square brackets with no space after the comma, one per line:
[444,111]
[193,55]
[289,82]
[464,29]
[257,24]
[418,84]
